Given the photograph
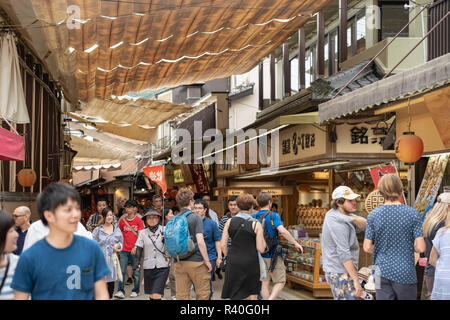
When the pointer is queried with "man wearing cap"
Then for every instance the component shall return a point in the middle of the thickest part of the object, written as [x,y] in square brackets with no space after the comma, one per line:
[340,247]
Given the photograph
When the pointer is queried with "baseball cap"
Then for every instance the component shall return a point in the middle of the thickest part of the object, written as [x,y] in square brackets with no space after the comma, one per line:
[444,197]
[344,192]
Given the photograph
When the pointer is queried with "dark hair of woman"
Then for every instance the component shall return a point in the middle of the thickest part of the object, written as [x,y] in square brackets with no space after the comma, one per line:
[105,212]
[6,223]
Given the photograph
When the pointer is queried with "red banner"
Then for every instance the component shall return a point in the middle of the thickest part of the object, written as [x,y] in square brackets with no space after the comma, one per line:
[377,173]
[199,177]
[156,174]
[11,146]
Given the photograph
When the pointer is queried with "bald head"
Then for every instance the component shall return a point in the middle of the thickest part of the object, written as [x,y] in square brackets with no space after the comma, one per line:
[22,216]
[24,210]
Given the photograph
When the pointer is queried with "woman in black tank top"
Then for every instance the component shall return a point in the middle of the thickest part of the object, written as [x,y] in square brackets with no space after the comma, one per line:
[242,274]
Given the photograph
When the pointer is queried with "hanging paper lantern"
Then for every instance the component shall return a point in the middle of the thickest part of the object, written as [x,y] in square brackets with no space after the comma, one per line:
[408,148]
[101,192]
[27,177]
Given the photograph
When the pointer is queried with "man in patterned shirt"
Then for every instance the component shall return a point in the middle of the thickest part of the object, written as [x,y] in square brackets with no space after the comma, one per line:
[96,219]
[393,233]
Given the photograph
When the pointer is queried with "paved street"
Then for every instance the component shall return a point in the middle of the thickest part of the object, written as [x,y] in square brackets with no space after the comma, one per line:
[286,294]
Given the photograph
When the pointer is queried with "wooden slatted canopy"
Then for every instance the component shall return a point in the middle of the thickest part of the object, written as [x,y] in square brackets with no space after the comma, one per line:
[141,112]
[129,46]
[96,152]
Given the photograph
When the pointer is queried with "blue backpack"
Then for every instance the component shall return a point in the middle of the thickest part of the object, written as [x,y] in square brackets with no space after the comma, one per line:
[177,237]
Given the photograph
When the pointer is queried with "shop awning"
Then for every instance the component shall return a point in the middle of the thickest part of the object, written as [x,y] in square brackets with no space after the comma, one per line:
[116,47]
[96,152]
[140,112]
[426,77]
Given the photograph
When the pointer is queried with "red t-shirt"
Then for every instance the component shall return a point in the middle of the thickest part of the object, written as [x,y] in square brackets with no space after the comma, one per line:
[129,239]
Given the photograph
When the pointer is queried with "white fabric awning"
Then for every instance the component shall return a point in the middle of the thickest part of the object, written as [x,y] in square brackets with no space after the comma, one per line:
[12,99]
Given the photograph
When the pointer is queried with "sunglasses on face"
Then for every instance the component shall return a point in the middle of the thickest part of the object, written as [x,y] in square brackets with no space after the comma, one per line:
[18,215]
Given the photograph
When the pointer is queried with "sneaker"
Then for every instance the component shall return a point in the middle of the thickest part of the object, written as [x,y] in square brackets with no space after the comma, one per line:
[133,295]
[119,295]
[174,298]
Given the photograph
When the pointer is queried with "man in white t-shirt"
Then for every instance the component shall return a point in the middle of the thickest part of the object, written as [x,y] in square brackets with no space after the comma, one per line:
[38,231]
[211,212]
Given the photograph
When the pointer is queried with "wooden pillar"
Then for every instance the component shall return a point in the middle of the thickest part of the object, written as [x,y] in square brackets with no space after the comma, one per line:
[320,45]
[331,183]
[261,86]
[301,58]
[286,70]
[272,77]
[342,31]
[353,49]
[331,56]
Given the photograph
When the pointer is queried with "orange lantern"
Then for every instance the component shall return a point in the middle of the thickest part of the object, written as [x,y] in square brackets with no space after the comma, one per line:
[408,148]
[27,177]
[101,192]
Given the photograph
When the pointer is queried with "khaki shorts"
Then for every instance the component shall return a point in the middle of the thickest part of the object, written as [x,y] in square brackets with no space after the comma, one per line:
[279,273]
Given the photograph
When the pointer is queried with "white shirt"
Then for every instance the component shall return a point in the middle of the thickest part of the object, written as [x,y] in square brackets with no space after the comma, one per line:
[213,216]
[38,231]
[7,293]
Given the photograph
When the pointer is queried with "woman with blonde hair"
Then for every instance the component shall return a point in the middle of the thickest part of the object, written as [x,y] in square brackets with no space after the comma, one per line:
[434,221]
[440,256]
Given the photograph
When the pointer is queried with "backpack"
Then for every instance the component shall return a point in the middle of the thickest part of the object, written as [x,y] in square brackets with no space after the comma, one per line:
[177,237]
[270,242]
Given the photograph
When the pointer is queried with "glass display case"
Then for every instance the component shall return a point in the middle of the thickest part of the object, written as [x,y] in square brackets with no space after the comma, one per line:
[306,269]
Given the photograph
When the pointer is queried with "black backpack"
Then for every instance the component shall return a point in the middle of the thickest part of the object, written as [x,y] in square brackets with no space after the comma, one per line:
[270,242]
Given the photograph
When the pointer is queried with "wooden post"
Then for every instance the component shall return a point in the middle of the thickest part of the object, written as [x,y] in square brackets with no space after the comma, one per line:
[272,77]
[261,87]
[301,58]
[342,31]
[320,45]
[331,56]
[354,48]
[286,70]
[330,183]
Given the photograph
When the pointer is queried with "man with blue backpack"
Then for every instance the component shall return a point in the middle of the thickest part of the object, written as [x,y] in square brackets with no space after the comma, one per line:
[184,240]
[272,228]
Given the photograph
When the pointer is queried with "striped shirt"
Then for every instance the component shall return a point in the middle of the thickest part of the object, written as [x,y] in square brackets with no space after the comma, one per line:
[222,224]
[7,293]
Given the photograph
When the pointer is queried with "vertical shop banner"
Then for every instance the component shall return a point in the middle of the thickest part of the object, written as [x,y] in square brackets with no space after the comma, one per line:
[380,171]
[199,177]
[156,174]
[431,183]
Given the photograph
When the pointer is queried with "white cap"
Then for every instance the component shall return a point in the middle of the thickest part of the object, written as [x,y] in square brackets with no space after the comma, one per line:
[444,197]
[344,192]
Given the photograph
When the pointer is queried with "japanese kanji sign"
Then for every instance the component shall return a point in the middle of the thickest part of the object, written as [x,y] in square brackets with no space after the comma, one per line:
[156,174]
[198,174]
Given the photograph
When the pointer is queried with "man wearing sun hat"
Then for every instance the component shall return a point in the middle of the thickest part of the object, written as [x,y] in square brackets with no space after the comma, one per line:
[340,247]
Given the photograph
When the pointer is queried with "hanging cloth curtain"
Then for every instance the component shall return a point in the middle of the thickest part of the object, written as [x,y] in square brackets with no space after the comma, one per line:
[12,99]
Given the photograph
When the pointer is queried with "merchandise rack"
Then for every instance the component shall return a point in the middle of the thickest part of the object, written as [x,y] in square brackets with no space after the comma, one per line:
[318,288]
